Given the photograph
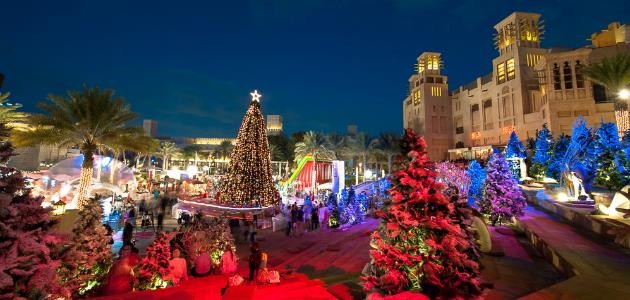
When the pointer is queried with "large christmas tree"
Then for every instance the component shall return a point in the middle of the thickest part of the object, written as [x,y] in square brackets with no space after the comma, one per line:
[27,269]
[419,246]
[502,197]
[88,258]
[249,180]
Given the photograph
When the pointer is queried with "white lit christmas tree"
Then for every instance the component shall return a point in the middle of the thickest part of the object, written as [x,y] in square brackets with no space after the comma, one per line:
[249,180]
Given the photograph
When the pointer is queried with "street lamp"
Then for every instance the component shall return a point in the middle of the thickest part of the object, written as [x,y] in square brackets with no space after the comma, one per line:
[624,94]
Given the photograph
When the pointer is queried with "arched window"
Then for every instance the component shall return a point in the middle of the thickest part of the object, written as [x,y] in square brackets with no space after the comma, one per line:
[579,76]
[557,85]
[568,77]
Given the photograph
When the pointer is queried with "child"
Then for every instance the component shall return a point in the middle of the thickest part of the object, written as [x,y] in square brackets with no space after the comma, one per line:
[179,271]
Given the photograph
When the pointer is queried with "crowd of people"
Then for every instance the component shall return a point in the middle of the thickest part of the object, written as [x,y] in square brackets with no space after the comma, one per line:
[305,218]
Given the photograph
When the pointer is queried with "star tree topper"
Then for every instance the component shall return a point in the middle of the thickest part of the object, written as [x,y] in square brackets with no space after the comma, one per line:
[255,96]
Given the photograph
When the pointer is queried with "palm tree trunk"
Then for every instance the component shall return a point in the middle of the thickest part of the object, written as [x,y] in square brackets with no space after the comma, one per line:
[112,167]
[622,119]
[164,163]
[85,179]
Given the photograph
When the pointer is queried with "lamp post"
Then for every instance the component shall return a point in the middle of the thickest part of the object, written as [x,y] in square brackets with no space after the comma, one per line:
[624,94]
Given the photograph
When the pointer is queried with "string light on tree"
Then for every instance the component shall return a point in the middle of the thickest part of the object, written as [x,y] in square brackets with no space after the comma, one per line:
[249,180]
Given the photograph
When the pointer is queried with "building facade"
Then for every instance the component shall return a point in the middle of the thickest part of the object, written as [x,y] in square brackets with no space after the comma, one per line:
[274,124]
[40,157]
[150,127]
[528,87]
[427,108]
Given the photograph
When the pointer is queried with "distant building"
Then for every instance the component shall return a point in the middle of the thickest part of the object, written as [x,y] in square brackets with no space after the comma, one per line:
[353,129]
[150,127]
[274,124]
[40,157]
[529,86]
[213,141]
[428,107]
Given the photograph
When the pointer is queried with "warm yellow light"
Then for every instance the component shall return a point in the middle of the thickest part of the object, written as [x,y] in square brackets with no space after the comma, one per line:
[255,96]
[624,94]
[562,197]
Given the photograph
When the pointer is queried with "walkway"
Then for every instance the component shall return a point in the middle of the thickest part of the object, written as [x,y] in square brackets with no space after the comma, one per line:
[601,270]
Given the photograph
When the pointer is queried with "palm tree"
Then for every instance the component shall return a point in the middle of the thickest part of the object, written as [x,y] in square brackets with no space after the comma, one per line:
[389,146]
[225,150]
[274,151]
[92,119]
[166,151]
[314,144]
[191,152]
[337,144]
[364,146]
[9,116]
[614,73]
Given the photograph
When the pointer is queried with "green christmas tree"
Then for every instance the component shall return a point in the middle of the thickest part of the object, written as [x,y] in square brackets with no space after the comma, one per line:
[87,260]
[249,180]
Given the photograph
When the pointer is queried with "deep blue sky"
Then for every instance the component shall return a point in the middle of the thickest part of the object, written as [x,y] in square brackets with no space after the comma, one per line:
[320,64]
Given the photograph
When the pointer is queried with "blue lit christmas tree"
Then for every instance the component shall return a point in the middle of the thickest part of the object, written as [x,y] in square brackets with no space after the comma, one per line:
[477,176]
[556,162]
[515,151]
[606,148]
[543,152]
[580,155]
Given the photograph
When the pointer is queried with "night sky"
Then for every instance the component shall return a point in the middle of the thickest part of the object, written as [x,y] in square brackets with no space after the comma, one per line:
[319,64]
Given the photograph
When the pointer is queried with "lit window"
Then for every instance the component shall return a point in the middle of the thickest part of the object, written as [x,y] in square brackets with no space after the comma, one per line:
[511,73]
[417,97]
[420,66]
[501,73]
[433,63]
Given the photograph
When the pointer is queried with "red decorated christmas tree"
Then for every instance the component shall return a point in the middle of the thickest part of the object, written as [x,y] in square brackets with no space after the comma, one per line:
[27,269]
[87,261]
[249,180]
[154,270]
[419,247]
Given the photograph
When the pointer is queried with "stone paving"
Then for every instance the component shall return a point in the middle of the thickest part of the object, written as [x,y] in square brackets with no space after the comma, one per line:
[600,270]
[338,257]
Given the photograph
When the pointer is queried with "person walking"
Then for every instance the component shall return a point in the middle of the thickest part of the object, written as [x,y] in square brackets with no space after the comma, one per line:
[253,230]
[300,221]
[315,219]
[127,234]
[160,219]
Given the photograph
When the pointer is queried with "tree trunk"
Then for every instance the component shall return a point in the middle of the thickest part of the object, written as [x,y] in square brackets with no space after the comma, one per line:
[164,163]
[85,181]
